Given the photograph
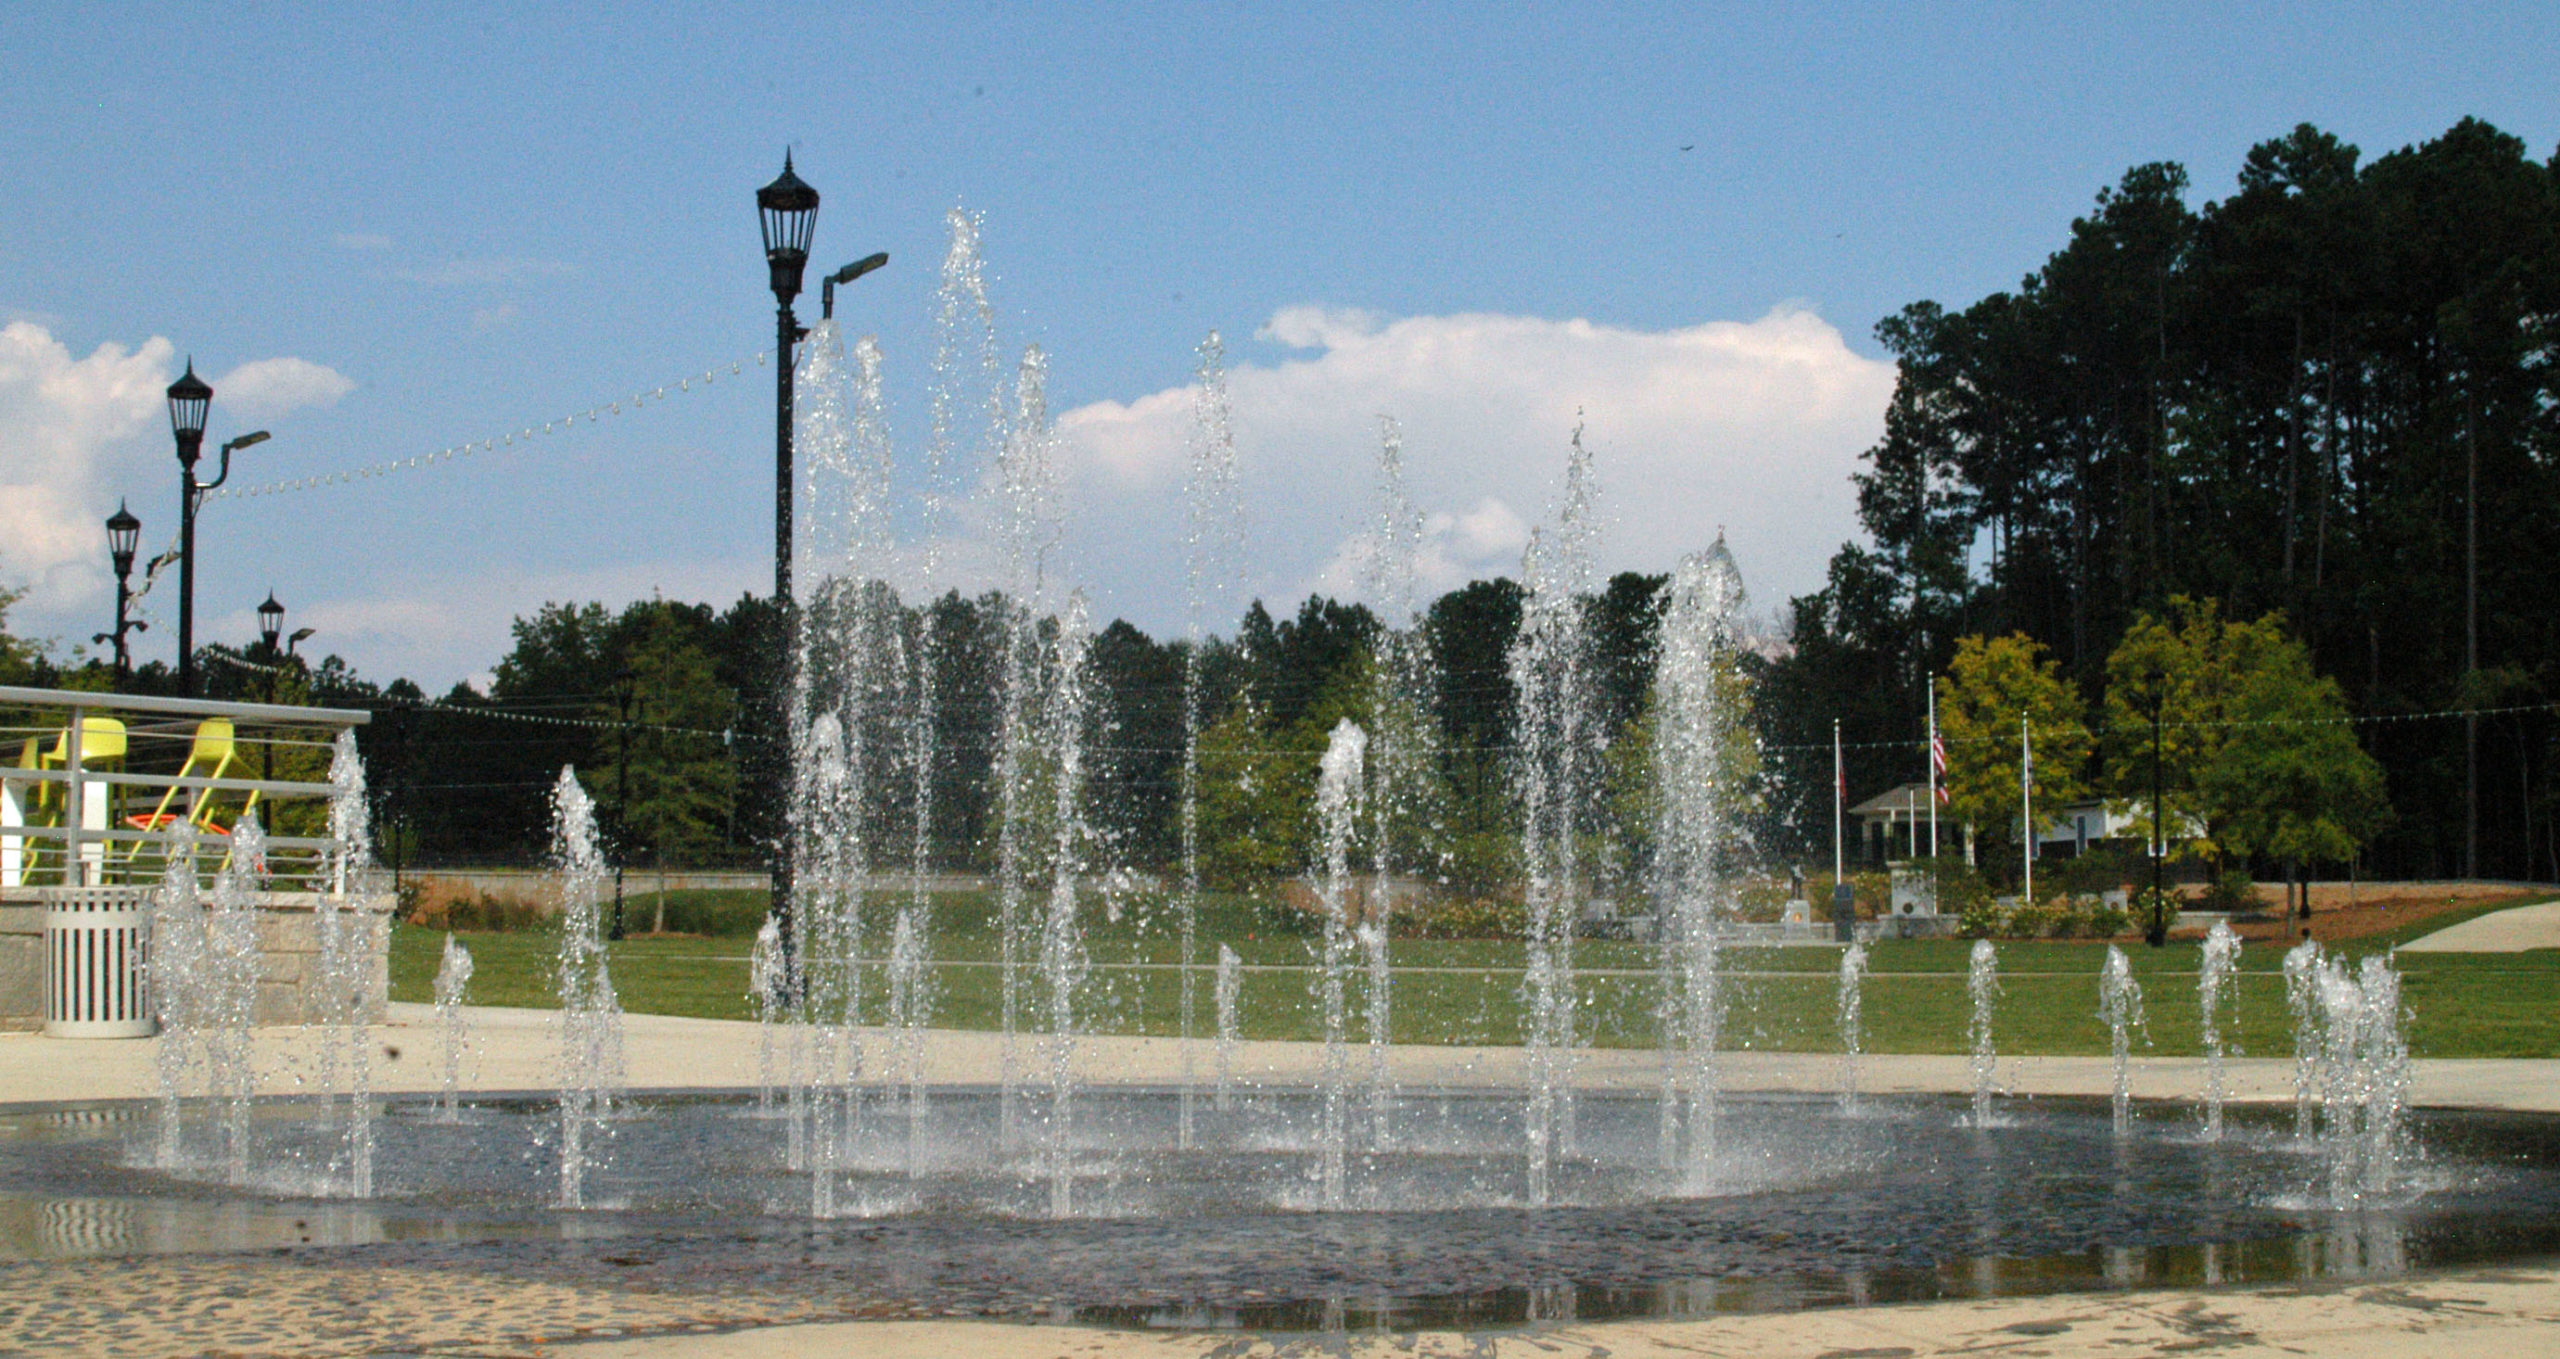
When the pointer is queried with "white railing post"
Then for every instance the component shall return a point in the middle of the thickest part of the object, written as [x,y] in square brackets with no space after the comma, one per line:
[75,804]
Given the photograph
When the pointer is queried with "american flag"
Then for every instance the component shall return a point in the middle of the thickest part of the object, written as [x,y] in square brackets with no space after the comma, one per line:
[1938,761]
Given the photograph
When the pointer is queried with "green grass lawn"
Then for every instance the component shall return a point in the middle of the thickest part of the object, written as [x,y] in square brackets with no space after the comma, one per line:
[1469,991]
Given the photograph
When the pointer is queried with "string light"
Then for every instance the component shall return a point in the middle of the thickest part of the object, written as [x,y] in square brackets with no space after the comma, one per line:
[2144,729]
[234,659]
[492,443]
[593,723]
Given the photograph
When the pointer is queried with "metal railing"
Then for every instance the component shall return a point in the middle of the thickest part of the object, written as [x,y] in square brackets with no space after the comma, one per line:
[100,790]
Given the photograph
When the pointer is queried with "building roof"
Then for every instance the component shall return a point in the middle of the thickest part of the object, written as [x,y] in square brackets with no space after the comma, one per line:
[1901,800]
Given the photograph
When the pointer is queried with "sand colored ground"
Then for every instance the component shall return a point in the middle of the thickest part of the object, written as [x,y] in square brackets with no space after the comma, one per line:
[316,1303]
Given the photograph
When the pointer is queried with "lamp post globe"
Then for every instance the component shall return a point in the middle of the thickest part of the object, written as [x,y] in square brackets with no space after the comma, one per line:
[270,621]
[788,210]
[190,401]
[124,536]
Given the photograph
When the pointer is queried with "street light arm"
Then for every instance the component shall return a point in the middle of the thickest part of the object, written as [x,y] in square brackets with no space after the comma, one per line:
[254,437]
[847,274]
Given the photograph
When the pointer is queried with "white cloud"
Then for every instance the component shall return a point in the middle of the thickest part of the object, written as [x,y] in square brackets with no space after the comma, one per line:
[1752,426]
[79,434]
[69,430]
[267,388]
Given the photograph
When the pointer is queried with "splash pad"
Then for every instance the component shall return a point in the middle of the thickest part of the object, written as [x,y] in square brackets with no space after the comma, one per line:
[1051,1189]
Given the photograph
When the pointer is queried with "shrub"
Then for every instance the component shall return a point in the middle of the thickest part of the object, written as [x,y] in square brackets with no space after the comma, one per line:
[1982,919]
[1762,899]
[1962,890]
[1872,891]
[2233,891]
[2072,916]
[2144,903]
[2099,870]
[2109,921]
[2034,919]
[473,910]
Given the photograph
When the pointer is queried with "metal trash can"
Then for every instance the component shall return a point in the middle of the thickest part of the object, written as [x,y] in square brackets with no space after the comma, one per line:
[97,943]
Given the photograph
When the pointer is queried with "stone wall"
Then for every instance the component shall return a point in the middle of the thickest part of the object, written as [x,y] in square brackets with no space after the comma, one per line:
[21,965]
[288,955]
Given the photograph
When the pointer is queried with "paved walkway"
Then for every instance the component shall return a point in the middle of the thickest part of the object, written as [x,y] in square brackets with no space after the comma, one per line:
[2511,1314]
[514,1050]
[2508,931]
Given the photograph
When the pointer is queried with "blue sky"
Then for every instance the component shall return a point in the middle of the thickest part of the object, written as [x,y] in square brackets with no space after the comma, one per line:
[456,221]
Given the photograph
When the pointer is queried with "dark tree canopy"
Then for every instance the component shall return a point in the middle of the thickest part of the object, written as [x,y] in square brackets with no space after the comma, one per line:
[2331,393]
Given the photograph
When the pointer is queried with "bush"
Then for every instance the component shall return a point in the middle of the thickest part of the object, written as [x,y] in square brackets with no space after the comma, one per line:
[2145,903]
[2034,919]
[1982,919]
[2233,891]
[2072,916]
[439,908]
[2109,921]
[1872,891]
[1762,900]
[1962,890]
[1464,918]
[2099,870]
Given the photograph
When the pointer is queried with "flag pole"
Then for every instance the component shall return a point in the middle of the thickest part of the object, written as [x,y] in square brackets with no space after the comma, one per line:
[2027,808]
[1839,811]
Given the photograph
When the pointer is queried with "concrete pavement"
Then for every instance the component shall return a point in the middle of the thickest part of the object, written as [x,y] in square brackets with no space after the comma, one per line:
[2510,931]
[515,1051]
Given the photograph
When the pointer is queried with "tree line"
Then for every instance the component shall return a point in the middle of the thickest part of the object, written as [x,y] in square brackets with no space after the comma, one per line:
[2277,471]
[2327,397]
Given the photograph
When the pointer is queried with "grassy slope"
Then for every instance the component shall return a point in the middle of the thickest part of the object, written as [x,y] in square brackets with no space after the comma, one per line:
[1782,999]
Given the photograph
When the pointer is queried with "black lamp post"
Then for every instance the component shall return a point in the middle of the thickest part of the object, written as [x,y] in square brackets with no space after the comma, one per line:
[787,209]
[2157,935]
[271,627]
[280,649]
[124,534]
[190,401]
